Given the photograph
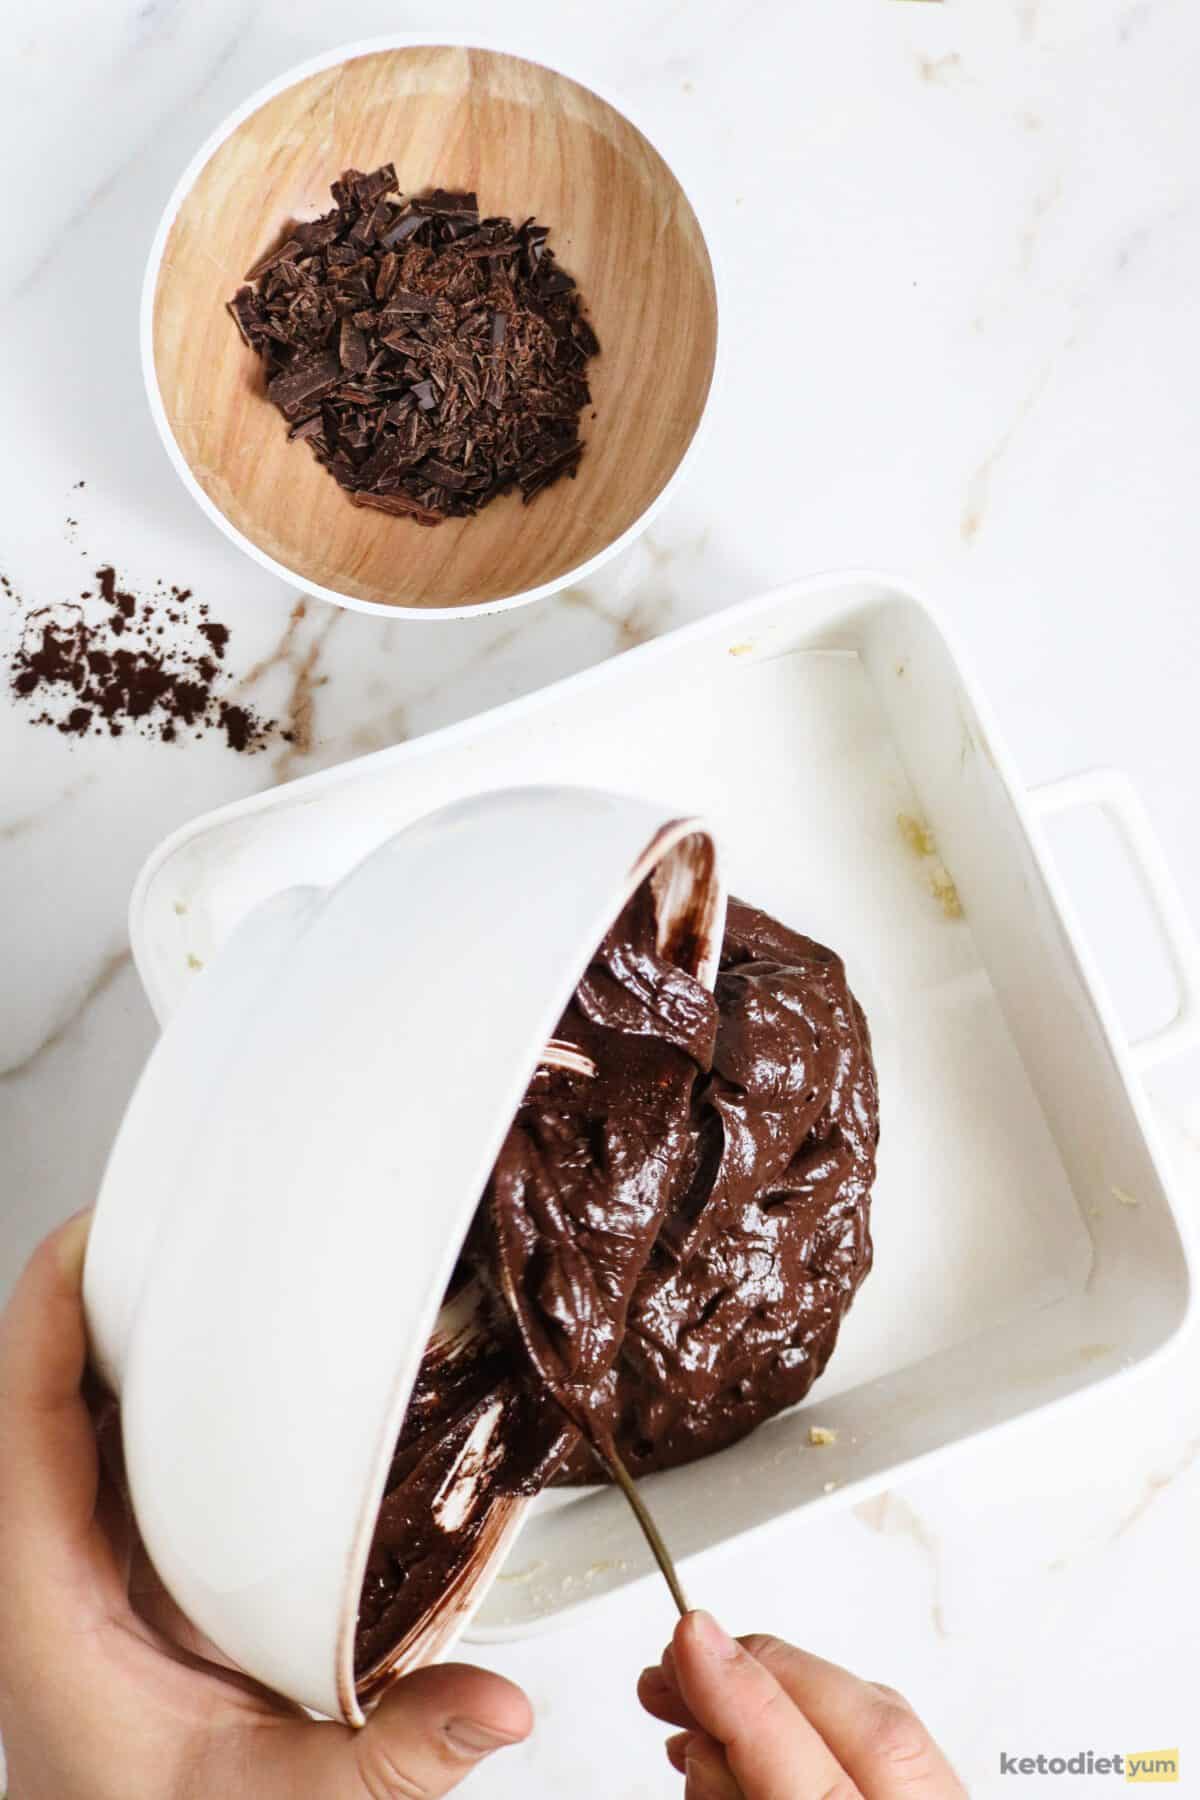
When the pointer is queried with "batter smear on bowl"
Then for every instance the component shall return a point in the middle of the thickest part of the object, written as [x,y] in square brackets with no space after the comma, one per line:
[433,359]
[664,1253]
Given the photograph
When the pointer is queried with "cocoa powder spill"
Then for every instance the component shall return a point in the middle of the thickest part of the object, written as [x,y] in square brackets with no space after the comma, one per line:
[101,666]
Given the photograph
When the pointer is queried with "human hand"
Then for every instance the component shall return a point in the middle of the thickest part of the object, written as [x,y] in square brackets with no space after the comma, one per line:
[105,1694]
[760,1720]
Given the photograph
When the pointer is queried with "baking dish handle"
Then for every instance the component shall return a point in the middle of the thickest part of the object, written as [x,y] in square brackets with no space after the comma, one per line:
[1112,791]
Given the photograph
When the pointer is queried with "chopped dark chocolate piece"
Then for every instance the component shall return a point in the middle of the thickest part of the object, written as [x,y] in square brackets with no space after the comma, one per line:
[444,475]
[385,280]
[406,226]
[385,460]
[431,359]
[440,204]
[370,187]
[534,480]
[357,192]
[554,281]
[273,258]
[509,248]
[352,348]
[247,316]
[316,232]
[400,503]
[303,382]
[400,303]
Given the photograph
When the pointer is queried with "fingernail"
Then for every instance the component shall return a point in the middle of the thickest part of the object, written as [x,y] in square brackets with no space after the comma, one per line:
[470,1738]
[704,1782]
[714,1640]
[677,1748]
[72,1242]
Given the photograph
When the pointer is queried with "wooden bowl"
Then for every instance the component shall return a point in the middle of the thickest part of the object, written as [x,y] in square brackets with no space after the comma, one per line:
[530,141]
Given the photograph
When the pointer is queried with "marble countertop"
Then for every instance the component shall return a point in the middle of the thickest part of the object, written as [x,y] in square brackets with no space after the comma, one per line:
[964,242]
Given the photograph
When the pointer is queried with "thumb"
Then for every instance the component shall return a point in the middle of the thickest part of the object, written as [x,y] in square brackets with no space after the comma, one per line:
[434,1726]
[429,1731]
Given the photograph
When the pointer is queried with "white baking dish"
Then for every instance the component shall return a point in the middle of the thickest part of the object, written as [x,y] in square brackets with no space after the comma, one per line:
[1027,1244]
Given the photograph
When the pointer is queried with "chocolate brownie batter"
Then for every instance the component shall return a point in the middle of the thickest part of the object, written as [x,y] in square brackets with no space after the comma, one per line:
[664,1253]
[767,1236]
[475,1431]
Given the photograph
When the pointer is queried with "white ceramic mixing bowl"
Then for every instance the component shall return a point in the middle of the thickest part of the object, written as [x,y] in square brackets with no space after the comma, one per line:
[292,1183]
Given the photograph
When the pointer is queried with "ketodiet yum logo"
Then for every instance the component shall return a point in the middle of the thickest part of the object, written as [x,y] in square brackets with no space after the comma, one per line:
[1128,1765]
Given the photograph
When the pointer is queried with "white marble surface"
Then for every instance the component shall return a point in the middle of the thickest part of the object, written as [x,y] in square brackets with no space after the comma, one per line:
[964,241]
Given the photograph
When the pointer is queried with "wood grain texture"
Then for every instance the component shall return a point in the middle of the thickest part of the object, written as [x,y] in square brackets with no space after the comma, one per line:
[529,141]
